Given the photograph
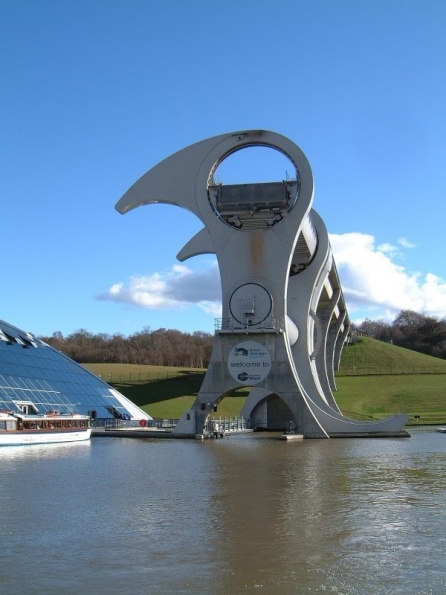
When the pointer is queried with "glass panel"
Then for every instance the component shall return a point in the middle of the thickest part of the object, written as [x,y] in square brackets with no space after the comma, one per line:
[50,380]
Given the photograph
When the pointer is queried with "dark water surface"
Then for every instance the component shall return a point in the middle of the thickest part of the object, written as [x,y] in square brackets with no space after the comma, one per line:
[247,514]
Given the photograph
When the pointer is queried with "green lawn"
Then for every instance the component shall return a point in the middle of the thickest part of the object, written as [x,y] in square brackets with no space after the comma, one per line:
[375,397]
[375,380]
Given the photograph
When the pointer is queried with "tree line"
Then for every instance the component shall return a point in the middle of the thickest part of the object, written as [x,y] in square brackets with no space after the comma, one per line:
[162,347]
[165,347]
[411,330]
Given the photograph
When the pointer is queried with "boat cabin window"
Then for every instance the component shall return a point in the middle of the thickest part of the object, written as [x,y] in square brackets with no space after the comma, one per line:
[55,424]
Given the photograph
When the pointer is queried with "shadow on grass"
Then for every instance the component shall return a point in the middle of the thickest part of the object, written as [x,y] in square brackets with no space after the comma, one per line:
[144,394]
[147,393]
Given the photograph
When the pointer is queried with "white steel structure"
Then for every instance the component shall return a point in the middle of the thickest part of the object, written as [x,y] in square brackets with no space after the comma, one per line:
[284,320]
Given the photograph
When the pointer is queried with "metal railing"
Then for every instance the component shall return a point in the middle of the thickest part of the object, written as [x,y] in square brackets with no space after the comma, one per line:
[133,424]
[226,425]
[150,376]
[387,370]
[230,324]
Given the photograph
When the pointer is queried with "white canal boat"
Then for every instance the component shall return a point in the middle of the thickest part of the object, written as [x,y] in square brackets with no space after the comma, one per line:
[18,428]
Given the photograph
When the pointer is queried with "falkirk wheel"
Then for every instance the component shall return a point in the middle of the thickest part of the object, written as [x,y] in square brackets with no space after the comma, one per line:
[284,319]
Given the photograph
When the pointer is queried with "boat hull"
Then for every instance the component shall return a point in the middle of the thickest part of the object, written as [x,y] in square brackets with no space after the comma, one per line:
[41,437]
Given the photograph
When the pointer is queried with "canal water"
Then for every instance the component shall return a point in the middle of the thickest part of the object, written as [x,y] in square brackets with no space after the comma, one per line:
[246,514]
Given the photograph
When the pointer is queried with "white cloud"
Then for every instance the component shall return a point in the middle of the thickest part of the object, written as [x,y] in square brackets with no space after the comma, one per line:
[405,243]
[177,288]
[388,249]
[211,308]
[374,284]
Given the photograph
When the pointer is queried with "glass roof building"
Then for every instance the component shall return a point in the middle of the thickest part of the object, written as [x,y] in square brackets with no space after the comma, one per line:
[36,378]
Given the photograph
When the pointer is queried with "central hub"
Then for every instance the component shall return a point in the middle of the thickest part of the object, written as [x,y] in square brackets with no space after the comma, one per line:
[251,304]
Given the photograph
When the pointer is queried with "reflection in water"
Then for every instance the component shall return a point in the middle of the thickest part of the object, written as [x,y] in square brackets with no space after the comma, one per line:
[247,514]
[345,516]
[46,451]
[279,502]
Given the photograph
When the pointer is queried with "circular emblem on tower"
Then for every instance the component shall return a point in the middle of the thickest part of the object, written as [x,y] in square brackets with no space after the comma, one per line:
[249,362]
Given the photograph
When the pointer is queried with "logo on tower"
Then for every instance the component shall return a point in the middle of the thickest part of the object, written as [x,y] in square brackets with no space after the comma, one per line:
[249,362]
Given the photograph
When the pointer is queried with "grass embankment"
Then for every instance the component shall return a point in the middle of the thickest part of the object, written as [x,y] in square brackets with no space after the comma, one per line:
[375,380]
[369,356]
[161,391]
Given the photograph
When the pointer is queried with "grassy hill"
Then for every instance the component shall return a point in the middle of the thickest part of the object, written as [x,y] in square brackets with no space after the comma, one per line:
[375,379]
[369,356]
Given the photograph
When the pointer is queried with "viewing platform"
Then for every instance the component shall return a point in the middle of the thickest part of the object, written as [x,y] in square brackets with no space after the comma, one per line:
[162,429]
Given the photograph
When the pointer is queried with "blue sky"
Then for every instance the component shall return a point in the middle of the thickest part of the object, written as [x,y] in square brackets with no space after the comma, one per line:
[94,93]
